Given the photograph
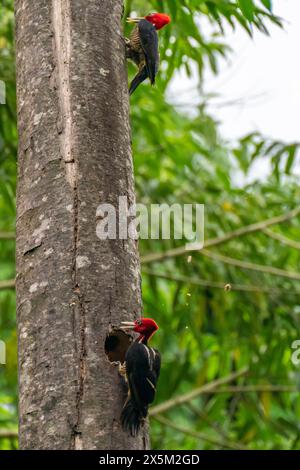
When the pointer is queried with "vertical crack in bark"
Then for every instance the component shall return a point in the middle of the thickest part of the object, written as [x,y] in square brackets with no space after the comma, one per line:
[61,20]
[76,437]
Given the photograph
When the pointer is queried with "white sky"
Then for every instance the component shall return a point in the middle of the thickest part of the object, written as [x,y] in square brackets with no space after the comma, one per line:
[261,79]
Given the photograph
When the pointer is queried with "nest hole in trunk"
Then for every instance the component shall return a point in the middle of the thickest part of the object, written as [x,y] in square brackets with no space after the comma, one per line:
[116,344]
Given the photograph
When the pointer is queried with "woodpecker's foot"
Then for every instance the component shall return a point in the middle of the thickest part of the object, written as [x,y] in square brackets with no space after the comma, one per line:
[122,370]
[128,48]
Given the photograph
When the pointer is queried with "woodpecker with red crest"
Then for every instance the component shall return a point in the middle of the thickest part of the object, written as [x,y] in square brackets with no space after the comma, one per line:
[141,369]
[142,47]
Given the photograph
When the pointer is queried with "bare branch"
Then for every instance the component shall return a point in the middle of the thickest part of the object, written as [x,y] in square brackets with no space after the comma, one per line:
[224,443]
[8,434]
[7,284]
[7,236]
[256,227]
[203,416]
[165,406]
[218,285]
[282,239]
[251,266]
[257,388]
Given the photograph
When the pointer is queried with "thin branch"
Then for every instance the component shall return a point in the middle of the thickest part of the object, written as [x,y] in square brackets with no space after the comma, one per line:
[251,266]
[282,239]
[7,284]
[203,416]
[257,388]
[224,443]
[7,235]
[258,226]
[219,285]
[8,434]
[165,406]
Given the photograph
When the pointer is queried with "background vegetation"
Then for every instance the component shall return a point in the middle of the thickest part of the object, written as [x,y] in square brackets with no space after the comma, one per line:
[233,306]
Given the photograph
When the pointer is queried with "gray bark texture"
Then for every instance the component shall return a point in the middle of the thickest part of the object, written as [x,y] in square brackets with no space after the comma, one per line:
[72,288]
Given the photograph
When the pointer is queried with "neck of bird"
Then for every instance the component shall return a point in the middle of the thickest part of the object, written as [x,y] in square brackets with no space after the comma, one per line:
[144,338]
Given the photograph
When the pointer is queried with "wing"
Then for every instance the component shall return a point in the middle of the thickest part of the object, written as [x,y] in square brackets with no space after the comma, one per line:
[153,374]
[138,79]
[156,363]
[149,41]
[141,375]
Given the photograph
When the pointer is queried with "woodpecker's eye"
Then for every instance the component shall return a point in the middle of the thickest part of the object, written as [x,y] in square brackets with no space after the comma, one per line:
[139,322]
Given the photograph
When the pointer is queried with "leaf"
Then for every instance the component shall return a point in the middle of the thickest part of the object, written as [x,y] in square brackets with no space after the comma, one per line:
[267,4]
[247,8]
[173,8]
[291,157]
[266,402]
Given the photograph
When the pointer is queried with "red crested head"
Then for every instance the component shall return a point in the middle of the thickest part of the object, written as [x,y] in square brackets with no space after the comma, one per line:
[159,20]
[146,327]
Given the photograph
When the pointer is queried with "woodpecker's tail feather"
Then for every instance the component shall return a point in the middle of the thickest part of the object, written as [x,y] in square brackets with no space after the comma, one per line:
[132,416]
[138,79]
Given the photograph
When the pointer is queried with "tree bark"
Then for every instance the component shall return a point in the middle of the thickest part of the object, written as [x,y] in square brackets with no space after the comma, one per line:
[72,288]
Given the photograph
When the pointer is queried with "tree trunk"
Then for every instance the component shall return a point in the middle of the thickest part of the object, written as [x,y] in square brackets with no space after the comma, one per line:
[72,287]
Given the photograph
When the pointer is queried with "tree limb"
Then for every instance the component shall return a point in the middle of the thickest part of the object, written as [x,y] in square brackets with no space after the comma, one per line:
[251,266]
[258,226]
[8,434]
[257,388]
[224,443]
[7,236]
[165,406]
[7,284]
[218,285]
[282,239]
[203,416]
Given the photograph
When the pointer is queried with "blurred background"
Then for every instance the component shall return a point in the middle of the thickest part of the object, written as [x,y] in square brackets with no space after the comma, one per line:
[220,128]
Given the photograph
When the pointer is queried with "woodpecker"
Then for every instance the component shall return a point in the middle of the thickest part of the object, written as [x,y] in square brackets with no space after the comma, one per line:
[141,370]
[142,47]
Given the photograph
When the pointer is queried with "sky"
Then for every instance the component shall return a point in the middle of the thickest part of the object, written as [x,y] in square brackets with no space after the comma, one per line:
[259,87]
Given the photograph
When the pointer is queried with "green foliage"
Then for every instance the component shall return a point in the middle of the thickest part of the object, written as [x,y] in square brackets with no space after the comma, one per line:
[283,157]
[206,331]
[8,151]
[185,40]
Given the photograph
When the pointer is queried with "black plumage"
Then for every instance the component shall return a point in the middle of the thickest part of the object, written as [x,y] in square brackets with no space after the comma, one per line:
[142,48]
[142,373]
[149,42]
